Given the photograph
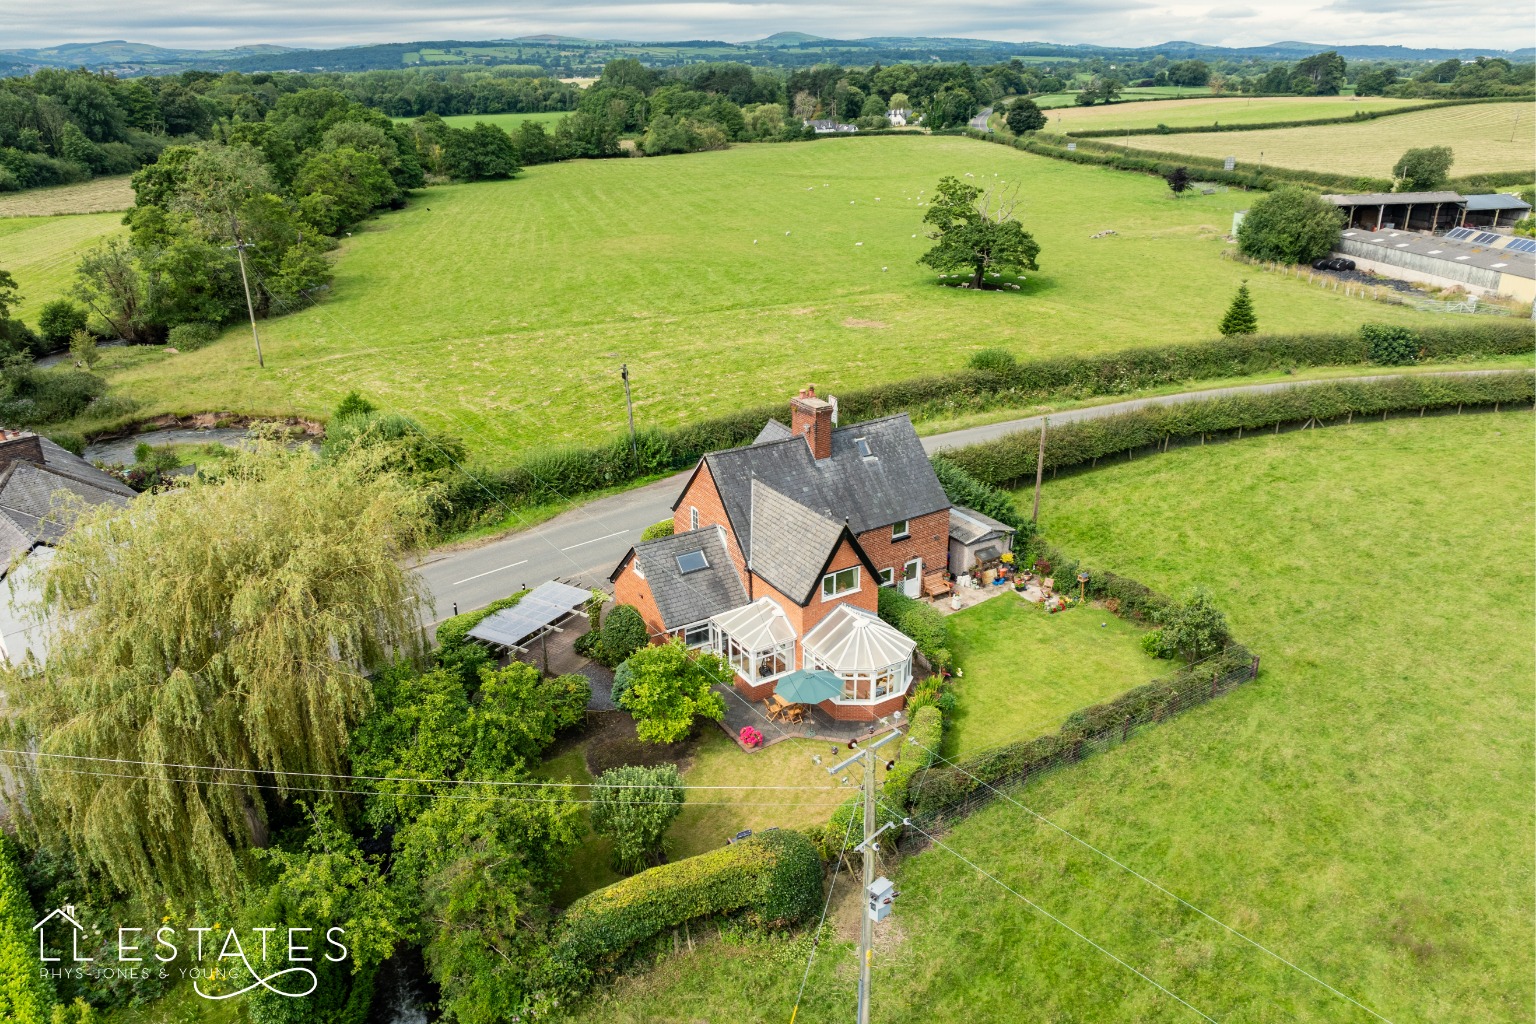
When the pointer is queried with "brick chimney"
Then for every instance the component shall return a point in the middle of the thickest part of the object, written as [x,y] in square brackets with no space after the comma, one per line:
[812,417]
[20,446]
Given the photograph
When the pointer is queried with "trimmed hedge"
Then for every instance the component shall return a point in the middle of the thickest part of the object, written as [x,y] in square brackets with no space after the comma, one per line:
[774,877]
[1010,459]
[567,472]
[1359,115]
[26,996]
[925,733]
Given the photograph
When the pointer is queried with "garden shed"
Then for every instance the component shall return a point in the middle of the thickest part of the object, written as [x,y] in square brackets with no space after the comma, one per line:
[975,538]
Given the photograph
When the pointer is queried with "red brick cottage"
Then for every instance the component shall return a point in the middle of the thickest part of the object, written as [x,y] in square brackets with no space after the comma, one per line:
[778,548]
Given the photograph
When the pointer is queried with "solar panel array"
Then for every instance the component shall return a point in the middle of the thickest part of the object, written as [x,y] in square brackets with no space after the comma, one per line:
[543,606]
[1486,238]
[1460,233]
[1522,245]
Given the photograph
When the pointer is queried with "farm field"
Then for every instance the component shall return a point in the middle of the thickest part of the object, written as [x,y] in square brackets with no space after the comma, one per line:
[1485,137]
[41,253]
[502,311]
[1363,810]
[99,195]
[1026,670]
[1217,110]
[1052,100]
[506,122]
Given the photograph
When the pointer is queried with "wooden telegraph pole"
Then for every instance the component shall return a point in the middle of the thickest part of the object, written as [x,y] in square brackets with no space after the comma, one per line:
[634,449]
[239,247]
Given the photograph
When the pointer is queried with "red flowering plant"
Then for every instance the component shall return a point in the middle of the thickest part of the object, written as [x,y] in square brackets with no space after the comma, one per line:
[749,736]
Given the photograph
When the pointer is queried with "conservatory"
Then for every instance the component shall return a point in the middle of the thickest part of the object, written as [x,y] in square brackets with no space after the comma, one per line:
[756,639]
[872,658]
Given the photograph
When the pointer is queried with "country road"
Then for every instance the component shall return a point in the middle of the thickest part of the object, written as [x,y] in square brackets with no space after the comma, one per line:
[584,543]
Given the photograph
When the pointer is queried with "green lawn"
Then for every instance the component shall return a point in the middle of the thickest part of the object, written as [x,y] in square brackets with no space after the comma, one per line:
[1026,669]
[41,253]
[1364,809]
[506,122]
[502,311]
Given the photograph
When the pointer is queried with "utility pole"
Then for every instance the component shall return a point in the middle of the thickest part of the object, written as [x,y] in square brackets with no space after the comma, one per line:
[239,247]
[877,901]
[1034,516]
[634,449]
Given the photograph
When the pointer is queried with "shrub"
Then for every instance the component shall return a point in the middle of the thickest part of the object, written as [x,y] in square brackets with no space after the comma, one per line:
[624,632]
[1290,225]
[998,360]
[1196,629]
[191,337]
[634,806]
[656,530]
[774,878]
[924,624]
[453,633]
[671,687]
[58,321]
[26,996]
[69,441]
[1154,643]
[1389,345]
[32,396]
[623,679]
[918,749]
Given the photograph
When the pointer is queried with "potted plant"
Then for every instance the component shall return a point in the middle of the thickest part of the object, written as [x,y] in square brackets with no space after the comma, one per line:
[750,737]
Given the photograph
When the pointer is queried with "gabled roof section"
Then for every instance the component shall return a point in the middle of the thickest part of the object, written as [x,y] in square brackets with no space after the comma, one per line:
[968,526]
[791,544]
[684,598]
[773,430]
[30,492]
[893,483]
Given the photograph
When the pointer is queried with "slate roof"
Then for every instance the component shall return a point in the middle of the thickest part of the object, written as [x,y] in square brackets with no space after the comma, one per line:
[968,526]
[897,482]
[28,491]
[686,599]
[773,430]
[791,543]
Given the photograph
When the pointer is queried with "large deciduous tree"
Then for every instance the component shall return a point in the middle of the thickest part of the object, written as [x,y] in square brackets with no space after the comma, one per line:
[976,232]
[227,626]
[1025,116]
[1424,169]
[670,687]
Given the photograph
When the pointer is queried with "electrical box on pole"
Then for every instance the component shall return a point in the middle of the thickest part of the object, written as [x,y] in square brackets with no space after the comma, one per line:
[881,895]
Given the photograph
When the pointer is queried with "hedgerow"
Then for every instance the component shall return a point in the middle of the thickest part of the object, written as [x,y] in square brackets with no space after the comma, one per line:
[1359,115]
[453,633]
[26,996]
[565,473]
[922,623]
[1011,459]
[925,734]
[774,878]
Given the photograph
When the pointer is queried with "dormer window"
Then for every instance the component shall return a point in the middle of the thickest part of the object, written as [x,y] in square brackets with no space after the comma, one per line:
[862,443]
[691,561]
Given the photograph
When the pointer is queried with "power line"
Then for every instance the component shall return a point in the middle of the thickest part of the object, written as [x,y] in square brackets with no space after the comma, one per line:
[1047,914]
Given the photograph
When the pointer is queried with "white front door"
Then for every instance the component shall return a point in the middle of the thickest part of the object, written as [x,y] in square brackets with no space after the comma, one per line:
[912,578]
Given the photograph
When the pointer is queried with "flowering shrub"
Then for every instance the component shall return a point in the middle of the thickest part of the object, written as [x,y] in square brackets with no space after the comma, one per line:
[749,736]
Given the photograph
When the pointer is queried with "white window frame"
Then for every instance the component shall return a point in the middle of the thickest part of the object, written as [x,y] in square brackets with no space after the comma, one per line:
[901,530]
[693,517]
[831,578]
[695,628]
[888,577]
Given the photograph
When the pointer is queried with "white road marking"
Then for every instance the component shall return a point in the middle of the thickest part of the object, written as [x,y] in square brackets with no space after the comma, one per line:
[594,540]
[487,572]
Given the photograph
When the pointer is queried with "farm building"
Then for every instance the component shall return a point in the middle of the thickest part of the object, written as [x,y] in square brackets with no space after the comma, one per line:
[1481,262]
[1429,211]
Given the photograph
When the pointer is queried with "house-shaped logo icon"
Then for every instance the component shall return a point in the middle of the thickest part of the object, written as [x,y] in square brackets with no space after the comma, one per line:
[67,912]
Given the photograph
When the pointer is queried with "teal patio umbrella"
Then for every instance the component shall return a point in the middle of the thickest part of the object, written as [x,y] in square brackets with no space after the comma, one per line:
[809,686]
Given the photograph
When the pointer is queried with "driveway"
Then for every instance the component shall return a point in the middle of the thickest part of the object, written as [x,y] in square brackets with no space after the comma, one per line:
[583,545]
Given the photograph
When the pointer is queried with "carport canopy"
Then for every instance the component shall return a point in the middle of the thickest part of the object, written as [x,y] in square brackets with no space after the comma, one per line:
[541,610]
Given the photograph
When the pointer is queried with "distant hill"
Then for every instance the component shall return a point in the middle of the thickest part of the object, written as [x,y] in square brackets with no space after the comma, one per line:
[571,56]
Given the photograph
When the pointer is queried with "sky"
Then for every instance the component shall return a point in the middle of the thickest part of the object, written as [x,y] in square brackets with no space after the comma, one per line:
[205,23]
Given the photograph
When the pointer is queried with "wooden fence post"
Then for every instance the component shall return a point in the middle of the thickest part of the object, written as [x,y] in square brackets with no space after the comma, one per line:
[1125,729]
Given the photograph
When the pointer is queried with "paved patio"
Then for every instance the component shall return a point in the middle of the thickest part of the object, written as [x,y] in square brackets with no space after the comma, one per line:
[817,724]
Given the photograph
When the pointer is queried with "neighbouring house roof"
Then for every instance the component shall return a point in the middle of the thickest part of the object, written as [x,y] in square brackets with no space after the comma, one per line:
[773,430]
[684,598]
[851,639]
[790,544]
[968,526]
[1496,201]
[894,483]
[29,491]
[757,626]
[1394,198]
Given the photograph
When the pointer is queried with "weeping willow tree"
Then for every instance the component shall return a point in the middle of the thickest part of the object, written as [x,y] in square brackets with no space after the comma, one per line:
[228,626]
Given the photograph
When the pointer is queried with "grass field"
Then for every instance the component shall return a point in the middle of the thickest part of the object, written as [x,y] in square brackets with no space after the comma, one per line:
[41,253]
[1216,110]
[1485,137]
[1363,810]
[1026,670]
[502,311]
[1053,100]
[506,122]
[99,195]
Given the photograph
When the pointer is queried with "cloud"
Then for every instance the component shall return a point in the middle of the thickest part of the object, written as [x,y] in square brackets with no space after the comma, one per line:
[203,23]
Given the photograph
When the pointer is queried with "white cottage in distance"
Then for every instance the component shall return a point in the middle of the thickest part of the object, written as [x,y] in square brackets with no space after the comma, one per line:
[898,118]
